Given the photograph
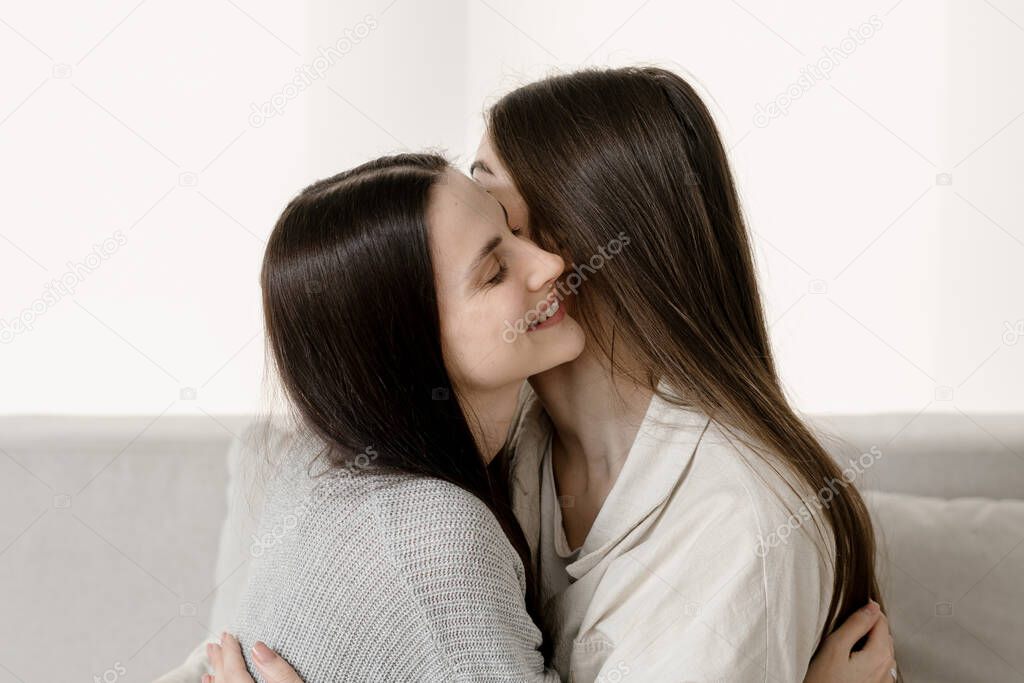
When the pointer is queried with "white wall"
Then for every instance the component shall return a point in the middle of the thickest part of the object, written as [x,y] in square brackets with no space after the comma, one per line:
[147,135]
[884,286]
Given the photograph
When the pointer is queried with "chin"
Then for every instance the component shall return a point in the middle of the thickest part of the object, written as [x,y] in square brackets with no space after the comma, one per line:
[566,348]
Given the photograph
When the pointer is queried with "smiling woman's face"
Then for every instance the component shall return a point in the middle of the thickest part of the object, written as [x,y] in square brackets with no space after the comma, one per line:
[493,288]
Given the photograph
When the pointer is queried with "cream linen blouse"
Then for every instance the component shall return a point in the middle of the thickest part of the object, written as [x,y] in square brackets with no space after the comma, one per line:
[702,565]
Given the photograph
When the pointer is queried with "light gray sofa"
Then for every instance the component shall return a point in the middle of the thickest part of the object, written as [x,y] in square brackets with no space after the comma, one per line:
[118,553]
[947,500]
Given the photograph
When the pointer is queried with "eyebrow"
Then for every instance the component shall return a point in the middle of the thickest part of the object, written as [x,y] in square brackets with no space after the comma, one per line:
[481,166]
[491,245]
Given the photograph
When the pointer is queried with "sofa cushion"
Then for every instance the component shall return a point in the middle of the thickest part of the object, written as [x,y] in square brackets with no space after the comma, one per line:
[953,578]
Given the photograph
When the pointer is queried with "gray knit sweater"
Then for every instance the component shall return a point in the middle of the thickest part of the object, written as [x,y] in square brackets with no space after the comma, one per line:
[365,576]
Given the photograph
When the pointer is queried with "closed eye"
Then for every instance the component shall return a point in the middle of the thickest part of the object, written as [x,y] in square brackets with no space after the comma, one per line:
[503,210]
[499,277]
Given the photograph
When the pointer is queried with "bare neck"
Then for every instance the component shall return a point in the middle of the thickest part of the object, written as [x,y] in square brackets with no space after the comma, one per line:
[596,417]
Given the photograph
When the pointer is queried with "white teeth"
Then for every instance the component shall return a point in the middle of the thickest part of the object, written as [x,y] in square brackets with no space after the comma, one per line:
[541,317]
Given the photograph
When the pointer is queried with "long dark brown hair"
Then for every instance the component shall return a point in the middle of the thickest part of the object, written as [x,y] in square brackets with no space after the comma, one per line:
[597,152]
[354,335]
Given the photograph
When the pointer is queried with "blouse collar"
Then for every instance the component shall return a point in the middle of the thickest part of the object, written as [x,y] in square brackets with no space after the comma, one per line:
[663,449]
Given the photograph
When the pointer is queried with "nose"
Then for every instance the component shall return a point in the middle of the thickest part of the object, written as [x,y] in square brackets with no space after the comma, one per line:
[543,268]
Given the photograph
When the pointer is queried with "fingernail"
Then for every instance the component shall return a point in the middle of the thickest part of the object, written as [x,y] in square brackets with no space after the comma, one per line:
[871,607]
[262,653]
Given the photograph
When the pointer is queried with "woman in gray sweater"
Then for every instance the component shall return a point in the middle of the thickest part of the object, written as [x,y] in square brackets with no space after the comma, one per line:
[388,552]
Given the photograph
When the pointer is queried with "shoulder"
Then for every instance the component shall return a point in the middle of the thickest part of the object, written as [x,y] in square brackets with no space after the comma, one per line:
[425,520]
[442,506]
[325,508]
[776,526]
[427,535]
[384,570]
[405,504]
[766,494]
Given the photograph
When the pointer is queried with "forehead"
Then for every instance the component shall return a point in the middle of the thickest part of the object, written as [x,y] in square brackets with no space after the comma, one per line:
[461,217]
[456,193]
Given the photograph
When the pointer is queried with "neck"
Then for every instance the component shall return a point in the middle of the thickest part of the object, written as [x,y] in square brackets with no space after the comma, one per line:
[596,415]
[489,414]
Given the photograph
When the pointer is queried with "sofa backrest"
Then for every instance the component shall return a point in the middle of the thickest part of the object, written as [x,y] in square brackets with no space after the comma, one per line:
[941,455]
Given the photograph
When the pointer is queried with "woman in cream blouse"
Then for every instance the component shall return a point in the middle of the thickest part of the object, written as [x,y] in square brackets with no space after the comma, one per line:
[685,523]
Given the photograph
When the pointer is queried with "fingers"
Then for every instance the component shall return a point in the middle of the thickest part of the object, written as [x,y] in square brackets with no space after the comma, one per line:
[879,651]
[853,629]
[272,666]
[214,655]
[234,663]
[228,663]
[877,654]
[884,674]
[879,645]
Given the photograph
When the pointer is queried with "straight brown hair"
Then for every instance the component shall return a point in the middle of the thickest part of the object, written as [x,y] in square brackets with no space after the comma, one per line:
[597,152]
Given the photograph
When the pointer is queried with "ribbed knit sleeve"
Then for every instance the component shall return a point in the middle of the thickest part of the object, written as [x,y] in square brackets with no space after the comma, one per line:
[388,578]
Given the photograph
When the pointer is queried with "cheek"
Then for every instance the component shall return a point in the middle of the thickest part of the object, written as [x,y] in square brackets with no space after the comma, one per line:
[478,354]
[518,216]
[518,213]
